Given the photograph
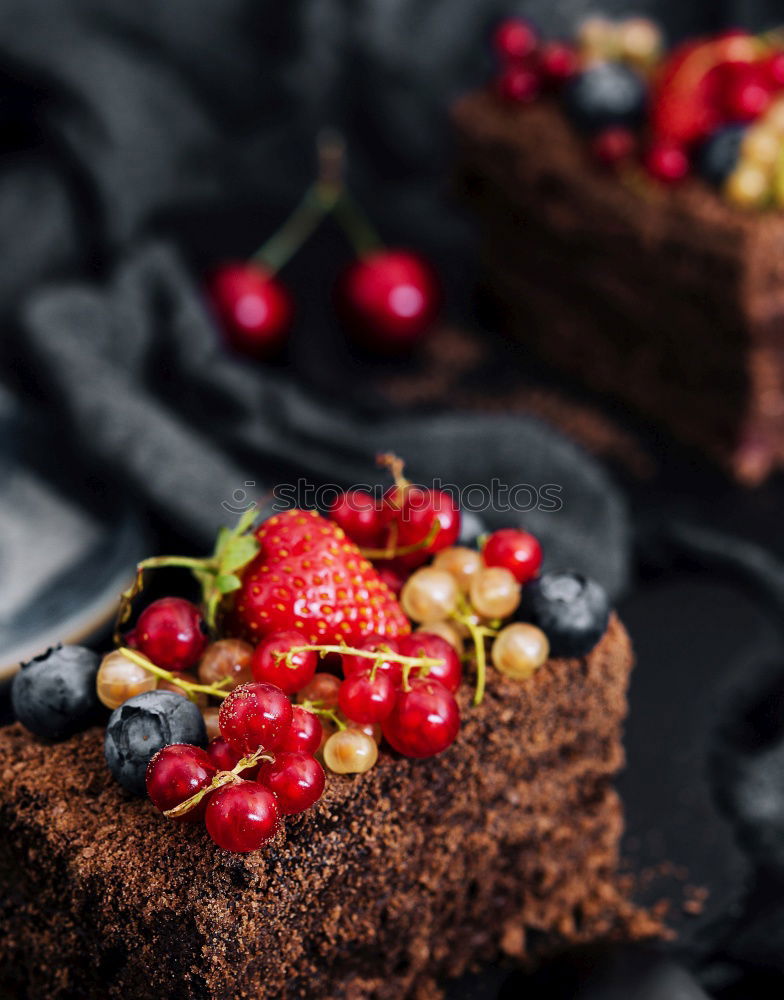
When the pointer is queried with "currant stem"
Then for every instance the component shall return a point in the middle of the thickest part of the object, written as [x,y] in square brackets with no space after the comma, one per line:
[478,637]
[221,779]
[378,657]
[327,713]
[216,690]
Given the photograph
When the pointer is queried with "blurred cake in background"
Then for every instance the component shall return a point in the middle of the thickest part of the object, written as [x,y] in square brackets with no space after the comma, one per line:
[629,204]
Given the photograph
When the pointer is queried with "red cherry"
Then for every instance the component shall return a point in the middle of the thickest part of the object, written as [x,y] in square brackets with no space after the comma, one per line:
[171,633]
[414,511]
[515,38]
[518,84]
[365,698]
[390,299]
[289,679]
[425,720]
[242,817]
[357,513]
[391,578]
[305,733]
[295,779]
[613,145]
[517,551]
[254,308]
[255,715]
[449,671]
[772,71]
[745,93]
[558,62]
[176,773]
[667,163]
[374,644]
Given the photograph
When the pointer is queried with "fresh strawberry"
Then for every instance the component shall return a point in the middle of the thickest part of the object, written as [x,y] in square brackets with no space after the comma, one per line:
[308,576]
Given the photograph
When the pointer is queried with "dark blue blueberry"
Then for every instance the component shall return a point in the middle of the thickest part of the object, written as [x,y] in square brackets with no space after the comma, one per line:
[571,609]
[604,95]
[54,695]
[142,726]
[471,528]
[719,154]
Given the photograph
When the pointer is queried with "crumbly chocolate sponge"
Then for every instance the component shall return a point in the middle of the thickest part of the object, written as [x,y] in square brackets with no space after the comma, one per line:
[669,299]
[415,871]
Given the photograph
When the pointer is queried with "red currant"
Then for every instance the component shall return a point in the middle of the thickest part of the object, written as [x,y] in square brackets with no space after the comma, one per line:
[374,644]
[367,698]
[558,62]
[515,38]
[305,733]
[390,299]
[242,817]
[357,513]
[177,772]
[425,720]
[773,71]
[613,145]
[518,84]
[223,756]
[449,671]
[295,779]
[171,633]
[254,308]
[289,679]
[667,163]
[416,512]
[323,689]
[255,715]
[746,96]
[517,551]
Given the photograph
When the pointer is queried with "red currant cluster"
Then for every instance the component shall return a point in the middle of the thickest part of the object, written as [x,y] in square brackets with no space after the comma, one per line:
[388,298]
[530,66]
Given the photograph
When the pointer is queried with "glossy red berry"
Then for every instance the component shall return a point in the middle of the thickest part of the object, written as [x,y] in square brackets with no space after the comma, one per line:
[518,84]
[666,163]
[558,62]
[255,715]
[224,756]
[290,679]
[242,817]
[772,71]
[254,308]
[305,733]
[295,779]
[613,146]
[515,38]
[415,513]
[747,94]
[374,644]
[425,720]
[391,578]
[517,551]
[390,299]
[171,633]
[365,697]
[357,513]
[176,773]
[448,672]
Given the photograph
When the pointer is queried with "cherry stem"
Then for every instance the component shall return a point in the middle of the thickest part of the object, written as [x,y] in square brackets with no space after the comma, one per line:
[389,460]
[390,552]
[356,225]
[217,690]
[316,203]
[221,779]
[327,713]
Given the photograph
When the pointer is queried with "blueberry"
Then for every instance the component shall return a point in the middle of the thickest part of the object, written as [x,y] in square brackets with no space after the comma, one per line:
[142,726]
[571,609]
[604,95]
[54,695]
[719,154]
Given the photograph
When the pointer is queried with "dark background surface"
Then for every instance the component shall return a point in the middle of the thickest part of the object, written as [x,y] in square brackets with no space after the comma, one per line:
[144,142]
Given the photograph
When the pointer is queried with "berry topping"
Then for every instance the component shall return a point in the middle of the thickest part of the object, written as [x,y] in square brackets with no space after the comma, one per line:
[718,156]
[357,513]
[420,521]
[517,551]
[350,751]
[120,679]
[226,658]
[141,727]
[425,720]
[242,817]
[176,773]
[290,675]
[572,610]
[223,756]
[255,715]
[515,38]
[295,779]
[604,95]
[495,592]
[171,633]
[305,734]
[613,145]
[447,670]
[558,62]
[254,308]
[463,563]
[519,650]
[518,84]
[374,644]
[54,695]
[367,695]
[308,576]
[430,595]
[666,163]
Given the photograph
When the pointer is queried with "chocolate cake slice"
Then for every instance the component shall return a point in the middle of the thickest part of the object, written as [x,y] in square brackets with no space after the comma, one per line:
[669,299]
[399,877]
